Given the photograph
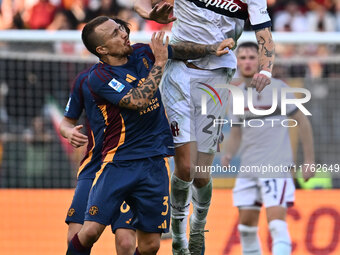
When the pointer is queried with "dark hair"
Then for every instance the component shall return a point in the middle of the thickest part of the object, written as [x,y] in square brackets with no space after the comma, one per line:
[248,45]
[124,24]
[90,40]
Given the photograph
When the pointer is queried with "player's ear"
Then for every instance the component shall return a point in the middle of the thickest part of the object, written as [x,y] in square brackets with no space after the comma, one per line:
[102,50]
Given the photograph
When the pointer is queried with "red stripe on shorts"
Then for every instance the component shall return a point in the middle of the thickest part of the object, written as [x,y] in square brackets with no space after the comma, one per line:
[283,192]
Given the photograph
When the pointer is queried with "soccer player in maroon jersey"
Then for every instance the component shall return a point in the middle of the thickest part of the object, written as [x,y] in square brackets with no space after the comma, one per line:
[264,147]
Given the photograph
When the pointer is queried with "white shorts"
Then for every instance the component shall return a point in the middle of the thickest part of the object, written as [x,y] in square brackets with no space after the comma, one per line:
[182,91]
[253,192]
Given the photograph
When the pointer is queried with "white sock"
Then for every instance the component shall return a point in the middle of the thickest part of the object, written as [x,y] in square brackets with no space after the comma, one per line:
[180,202]
[281,240]
[201,198]
[249,240]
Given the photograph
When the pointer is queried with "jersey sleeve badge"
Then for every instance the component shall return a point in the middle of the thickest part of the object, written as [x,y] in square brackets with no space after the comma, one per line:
[116,85]
[68,105]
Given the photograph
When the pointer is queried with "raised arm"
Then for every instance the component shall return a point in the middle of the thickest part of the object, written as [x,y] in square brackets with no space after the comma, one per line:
[266,58]
[71,132]
[267,49]
[138,98]
[190,50]
[153,10]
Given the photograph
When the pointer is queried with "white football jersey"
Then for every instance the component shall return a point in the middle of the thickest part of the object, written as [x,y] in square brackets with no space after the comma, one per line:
[212,21]
[268,143]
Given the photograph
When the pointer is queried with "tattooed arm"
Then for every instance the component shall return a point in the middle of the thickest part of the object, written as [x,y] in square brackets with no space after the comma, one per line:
[189,50]
[266,61]
[267,49]
[138,98]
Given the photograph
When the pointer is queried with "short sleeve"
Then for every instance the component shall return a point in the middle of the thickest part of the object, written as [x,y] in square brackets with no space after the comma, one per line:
[75,104]
[258,14]
[113,90]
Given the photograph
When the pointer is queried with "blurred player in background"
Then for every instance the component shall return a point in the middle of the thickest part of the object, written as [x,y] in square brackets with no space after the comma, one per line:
[268,145]
[194,135]
[137,137]
[81,99]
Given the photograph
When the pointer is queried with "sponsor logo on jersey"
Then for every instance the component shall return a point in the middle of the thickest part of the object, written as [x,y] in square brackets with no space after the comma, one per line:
[93,210]
[141,82]
[163,225]
[130,78]
[228,5]
[231,8]
[116,85]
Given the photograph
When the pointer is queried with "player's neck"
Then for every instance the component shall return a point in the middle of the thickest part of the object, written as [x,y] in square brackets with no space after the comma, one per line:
[115,61]
[247,81]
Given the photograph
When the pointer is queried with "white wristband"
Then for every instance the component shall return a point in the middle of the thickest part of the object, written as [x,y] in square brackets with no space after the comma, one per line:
[266,73]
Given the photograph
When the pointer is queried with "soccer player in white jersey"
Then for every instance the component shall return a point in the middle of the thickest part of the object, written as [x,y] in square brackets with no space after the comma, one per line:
[195,138]
[265,146]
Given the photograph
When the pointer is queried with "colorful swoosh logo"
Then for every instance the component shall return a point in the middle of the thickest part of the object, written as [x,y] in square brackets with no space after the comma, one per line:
[209,93]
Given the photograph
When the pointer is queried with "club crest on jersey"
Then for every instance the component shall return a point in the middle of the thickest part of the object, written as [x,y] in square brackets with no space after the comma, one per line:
[116,85]
[174,128]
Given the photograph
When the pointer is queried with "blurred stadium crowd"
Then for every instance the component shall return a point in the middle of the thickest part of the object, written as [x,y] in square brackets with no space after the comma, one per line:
[296,16]
[32,154]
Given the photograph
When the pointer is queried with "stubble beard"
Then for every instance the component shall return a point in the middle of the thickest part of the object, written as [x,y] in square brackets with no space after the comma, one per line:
[126,52]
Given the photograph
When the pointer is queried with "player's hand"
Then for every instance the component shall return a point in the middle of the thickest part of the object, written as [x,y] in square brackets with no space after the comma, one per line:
[224,47]
[225,160]
[161,13]
[159,49]
[260,81]
[308,170]
[76,138]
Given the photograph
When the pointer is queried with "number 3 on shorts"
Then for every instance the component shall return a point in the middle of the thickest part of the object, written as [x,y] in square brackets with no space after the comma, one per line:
[166,203]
